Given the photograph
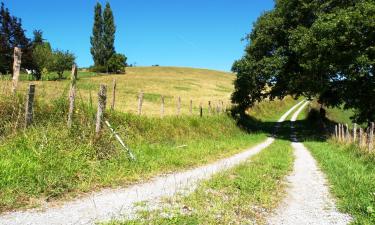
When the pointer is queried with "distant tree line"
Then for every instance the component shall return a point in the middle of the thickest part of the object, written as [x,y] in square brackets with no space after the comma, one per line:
[323,49]
[37,54]
[103,40]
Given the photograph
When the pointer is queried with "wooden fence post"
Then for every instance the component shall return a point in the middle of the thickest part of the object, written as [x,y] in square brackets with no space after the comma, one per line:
[371,137]
[336,132]
[16,68]
[339,127]
[29,105]
[72,95]
[114,86]
[347,133]
[201,110]
[140,103]
[209,107]
[191,107]
[354,133]
[342,133]
[102,101]
[179,106]
[360,138]
[162,110]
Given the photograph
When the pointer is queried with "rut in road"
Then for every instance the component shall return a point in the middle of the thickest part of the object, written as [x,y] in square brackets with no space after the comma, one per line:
[308,199]
[119,203]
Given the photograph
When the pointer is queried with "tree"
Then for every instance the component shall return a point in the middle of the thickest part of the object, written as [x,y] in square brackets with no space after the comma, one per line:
[62,60]
[41,54]
[117,63]
[103,41]
[109,30]
[38,37]
[314,49]
[12,35]
[97,46]
[43,57]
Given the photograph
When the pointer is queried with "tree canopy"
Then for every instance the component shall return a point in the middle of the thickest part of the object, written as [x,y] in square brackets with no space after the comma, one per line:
[314,49]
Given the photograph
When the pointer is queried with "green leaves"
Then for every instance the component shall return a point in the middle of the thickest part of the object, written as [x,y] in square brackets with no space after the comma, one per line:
[305,48]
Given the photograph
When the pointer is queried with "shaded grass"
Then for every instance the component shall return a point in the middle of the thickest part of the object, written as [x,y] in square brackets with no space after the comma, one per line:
[340,115]
[243,195]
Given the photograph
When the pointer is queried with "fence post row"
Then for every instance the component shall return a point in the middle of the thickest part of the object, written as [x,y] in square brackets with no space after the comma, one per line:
[16,68]
[102,101]
[114,86]
[72,95]
[29,105]
[140,102]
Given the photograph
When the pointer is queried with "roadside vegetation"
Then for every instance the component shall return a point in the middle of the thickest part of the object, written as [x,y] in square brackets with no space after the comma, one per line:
[47,161]
[243,195]
[350,170]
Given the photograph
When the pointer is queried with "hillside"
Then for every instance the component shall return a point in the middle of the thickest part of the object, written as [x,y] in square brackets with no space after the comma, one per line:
[199,85]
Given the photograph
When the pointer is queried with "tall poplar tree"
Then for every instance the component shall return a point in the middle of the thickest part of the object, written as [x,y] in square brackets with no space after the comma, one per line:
[97,47]
[109,30]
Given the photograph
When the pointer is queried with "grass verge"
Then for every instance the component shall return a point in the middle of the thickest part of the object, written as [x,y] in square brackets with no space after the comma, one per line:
[243,195]
[350,173]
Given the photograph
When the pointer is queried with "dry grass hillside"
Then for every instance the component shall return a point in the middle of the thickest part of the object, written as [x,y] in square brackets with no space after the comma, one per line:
[199,85]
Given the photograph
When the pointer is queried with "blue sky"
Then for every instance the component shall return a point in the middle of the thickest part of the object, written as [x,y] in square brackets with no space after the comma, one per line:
[191,33]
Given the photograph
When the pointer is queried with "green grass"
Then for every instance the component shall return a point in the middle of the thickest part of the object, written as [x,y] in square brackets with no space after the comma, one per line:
[243,195]
[339,115]
[351,176]
[48,162]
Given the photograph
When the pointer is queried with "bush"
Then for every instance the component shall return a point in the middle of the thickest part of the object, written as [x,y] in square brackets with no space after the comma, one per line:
[98,69]
[62,61]
[117,63]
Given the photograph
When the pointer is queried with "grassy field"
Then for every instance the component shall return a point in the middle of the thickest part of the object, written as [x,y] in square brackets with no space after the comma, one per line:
[48,162]
[199,85]
[244,195]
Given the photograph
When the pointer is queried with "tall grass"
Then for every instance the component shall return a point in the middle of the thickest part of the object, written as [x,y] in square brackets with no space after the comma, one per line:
[48,162]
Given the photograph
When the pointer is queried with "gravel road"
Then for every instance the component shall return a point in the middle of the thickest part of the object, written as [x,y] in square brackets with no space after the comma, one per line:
[308,200]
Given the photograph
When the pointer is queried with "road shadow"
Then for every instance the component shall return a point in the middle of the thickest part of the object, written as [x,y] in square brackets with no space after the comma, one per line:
[313,128]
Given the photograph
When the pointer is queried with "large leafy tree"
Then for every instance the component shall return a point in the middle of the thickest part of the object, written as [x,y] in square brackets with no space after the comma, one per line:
[311,48]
